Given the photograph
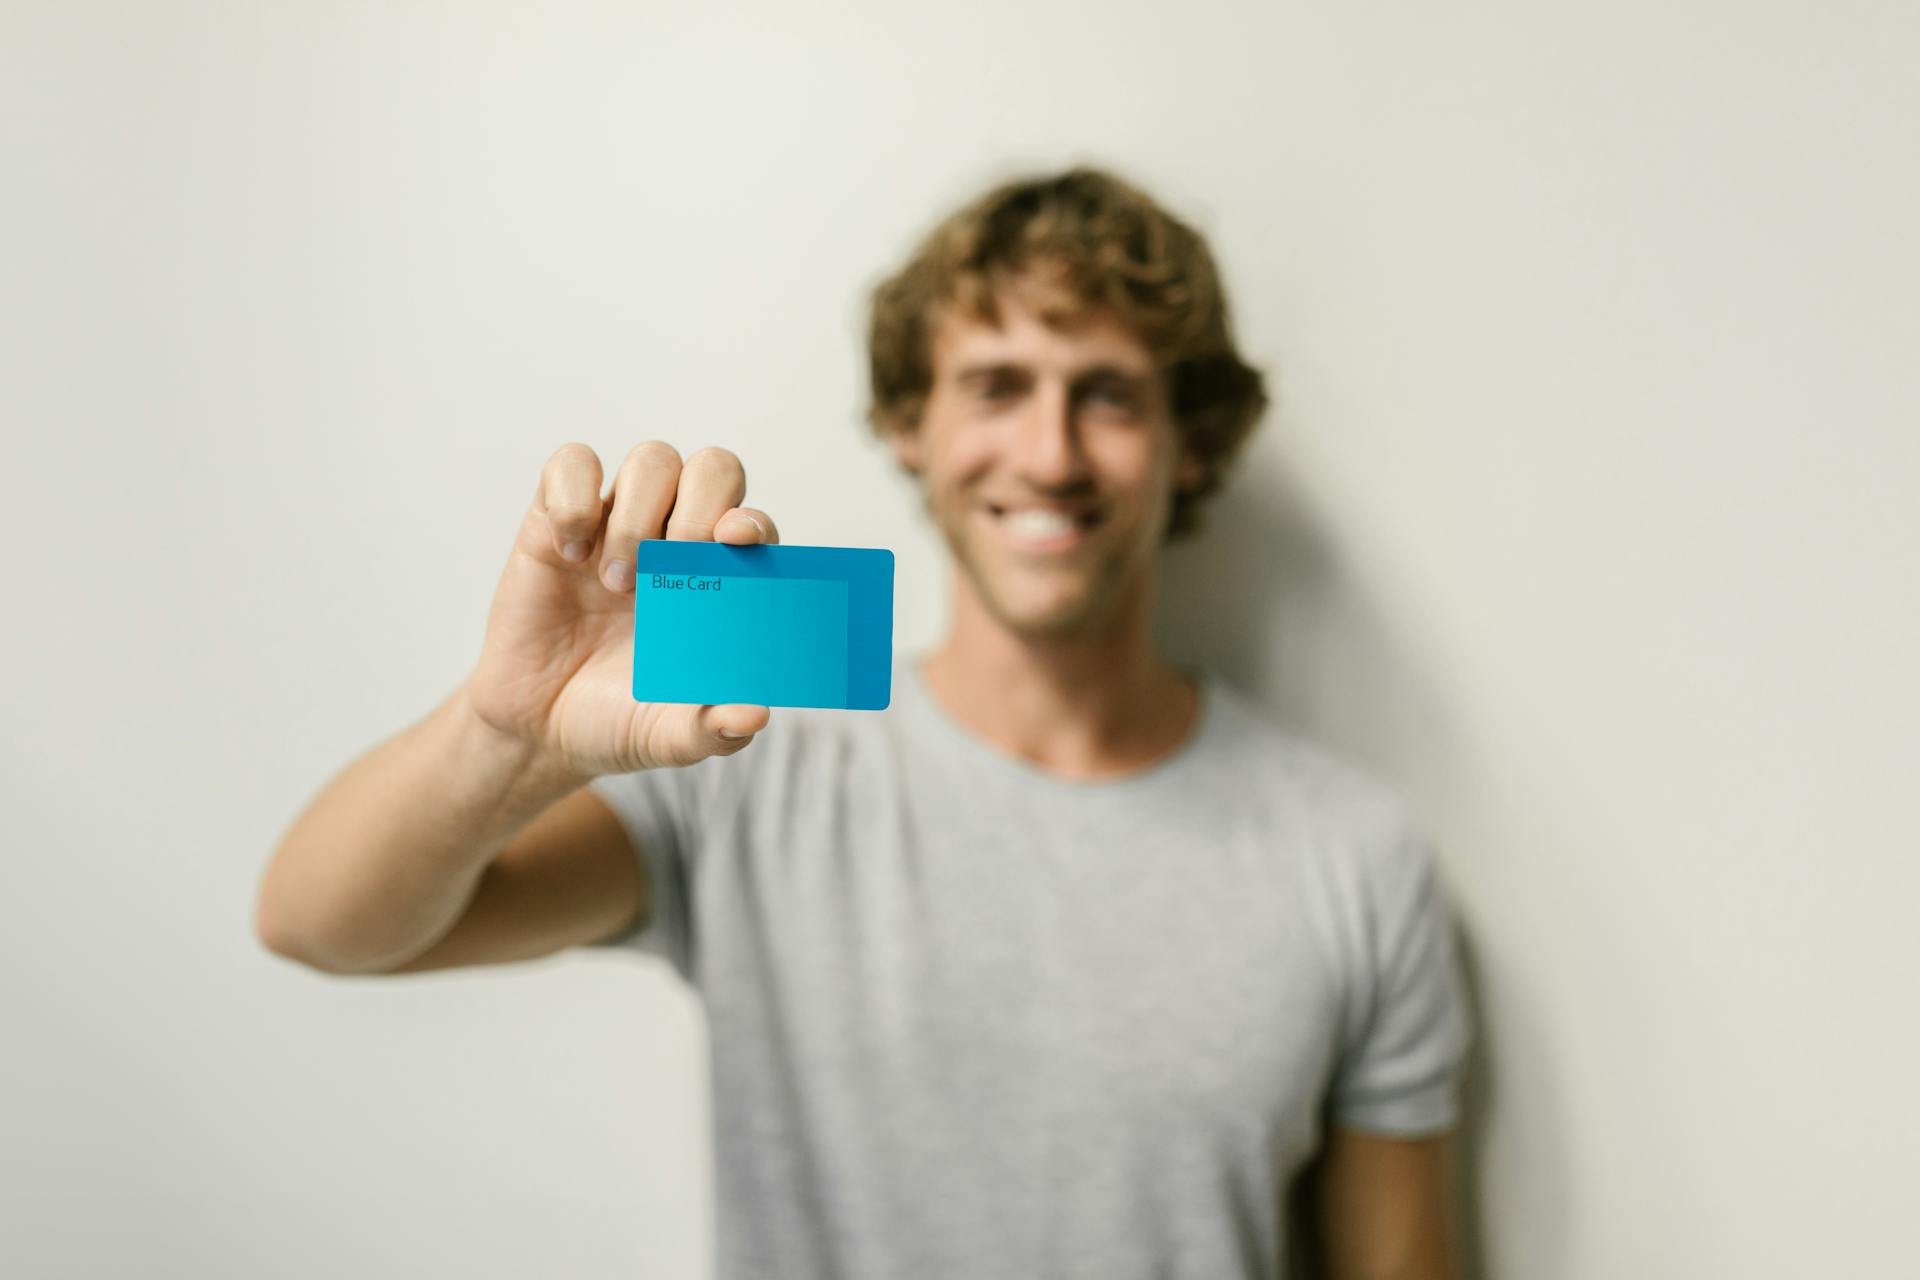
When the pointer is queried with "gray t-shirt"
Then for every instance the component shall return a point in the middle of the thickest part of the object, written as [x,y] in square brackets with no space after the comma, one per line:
[968,1018]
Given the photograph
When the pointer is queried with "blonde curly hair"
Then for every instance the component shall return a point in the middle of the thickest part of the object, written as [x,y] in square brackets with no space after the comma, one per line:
[1075,242]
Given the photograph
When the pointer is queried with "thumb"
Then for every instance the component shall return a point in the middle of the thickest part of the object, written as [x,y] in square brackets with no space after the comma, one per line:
[732,724]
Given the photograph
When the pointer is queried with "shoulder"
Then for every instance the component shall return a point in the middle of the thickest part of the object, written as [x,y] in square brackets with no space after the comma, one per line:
[1362,843]
[1327,793]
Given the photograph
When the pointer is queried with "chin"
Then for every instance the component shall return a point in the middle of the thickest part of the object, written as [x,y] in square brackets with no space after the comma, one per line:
[1042,625]
[1040,615]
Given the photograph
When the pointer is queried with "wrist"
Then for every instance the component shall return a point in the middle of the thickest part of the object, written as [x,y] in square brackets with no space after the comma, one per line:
[505,764]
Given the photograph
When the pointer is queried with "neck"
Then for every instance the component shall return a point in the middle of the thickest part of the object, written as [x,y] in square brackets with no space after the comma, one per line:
[1098,702]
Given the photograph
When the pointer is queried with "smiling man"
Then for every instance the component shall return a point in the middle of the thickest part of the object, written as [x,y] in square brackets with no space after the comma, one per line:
[1073,962]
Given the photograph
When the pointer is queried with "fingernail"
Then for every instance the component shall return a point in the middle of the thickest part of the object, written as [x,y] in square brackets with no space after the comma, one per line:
[728,733]
[575,551]
[616,575]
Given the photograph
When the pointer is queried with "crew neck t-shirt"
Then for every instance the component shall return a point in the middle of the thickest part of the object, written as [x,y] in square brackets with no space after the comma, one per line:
[967,1017]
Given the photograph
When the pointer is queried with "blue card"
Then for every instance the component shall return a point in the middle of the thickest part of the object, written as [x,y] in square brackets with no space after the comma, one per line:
[772,625]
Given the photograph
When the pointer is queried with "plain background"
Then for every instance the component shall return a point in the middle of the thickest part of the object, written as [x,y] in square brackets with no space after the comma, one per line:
[1586,517]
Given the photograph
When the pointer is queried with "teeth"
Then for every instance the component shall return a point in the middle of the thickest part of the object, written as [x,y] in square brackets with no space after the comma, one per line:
[1038,524]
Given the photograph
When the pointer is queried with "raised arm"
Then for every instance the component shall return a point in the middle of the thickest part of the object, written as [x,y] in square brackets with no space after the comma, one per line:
[447,844]
[470,837]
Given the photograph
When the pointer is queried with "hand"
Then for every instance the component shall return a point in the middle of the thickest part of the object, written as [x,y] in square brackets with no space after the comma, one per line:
[556,669]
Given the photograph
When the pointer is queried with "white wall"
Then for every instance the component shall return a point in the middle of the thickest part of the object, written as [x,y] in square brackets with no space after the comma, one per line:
[1588,517]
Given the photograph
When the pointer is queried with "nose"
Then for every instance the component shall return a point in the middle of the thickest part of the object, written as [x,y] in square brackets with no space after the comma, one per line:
[1048,451]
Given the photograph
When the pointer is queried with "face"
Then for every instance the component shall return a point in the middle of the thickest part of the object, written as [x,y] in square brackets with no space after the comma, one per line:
[1048,458]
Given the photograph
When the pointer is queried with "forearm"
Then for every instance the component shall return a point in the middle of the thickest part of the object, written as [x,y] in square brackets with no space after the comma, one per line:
[383,861]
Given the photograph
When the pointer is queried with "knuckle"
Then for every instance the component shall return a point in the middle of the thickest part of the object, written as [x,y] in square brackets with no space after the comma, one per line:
[682,526]
[572,452]
[655,454]
[571,515]
[713,457]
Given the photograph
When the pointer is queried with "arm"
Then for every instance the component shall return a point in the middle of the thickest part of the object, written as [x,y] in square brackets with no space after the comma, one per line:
[1382,1207]
[471,837]
[450,843]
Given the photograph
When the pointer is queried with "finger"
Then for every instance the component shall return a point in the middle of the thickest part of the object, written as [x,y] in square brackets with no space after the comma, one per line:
[568,499]
[642,495]
[712,483]
[744,526]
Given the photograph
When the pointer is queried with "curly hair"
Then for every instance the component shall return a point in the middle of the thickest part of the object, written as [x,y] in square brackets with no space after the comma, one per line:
[1075,242]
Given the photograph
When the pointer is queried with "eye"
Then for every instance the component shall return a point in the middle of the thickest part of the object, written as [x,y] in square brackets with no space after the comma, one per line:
[1112,395]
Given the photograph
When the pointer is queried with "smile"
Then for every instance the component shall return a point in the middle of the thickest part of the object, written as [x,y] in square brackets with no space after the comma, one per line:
[1039,529]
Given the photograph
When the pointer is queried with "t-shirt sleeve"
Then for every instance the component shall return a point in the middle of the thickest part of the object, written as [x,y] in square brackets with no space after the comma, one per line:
[1401,1071]
[659,810]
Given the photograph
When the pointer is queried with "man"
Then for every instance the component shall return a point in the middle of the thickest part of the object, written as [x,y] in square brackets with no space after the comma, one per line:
[1064,965]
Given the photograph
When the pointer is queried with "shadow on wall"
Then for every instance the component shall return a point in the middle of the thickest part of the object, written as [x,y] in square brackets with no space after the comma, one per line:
[1261,598]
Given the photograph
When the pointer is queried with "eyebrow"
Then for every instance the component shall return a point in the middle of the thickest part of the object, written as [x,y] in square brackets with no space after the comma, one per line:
[1092,373]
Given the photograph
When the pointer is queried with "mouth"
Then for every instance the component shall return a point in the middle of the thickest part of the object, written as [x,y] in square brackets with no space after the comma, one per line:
[1042,529]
